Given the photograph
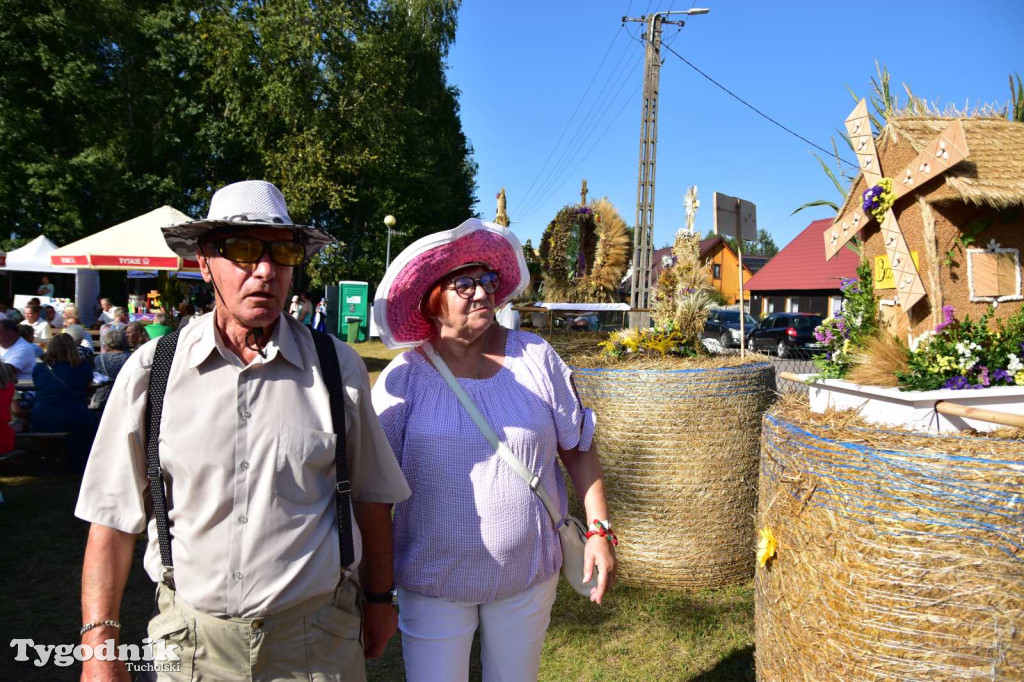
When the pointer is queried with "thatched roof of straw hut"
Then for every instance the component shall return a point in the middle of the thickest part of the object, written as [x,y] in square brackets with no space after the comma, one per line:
[993,174]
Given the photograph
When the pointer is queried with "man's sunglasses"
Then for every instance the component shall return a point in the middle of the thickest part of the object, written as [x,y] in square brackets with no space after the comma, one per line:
[465,286]
[251,249]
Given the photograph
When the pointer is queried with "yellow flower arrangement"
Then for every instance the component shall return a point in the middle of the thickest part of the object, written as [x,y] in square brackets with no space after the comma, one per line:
[766,546]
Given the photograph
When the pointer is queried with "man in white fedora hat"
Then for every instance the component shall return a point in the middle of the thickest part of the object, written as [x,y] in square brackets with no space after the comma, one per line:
[249,448]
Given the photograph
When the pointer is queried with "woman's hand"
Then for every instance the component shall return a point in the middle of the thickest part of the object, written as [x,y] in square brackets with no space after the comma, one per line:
[600,554]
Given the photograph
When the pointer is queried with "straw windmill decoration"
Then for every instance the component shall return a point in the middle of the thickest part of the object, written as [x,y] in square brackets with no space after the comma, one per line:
[944,152]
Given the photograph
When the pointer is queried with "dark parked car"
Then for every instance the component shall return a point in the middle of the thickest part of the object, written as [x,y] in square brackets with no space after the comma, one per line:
[785,333]
[724,325]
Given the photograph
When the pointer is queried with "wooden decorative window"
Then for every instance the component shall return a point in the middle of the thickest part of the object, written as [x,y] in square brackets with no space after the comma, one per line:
[994,273]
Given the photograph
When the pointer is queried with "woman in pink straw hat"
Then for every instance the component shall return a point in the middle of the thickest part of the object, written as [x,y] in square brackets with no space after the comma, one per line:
[475,545]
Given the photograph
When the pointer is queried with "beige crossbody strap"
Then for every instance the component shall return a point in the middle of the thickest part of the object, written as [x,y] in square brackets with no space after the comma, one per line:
[517,465]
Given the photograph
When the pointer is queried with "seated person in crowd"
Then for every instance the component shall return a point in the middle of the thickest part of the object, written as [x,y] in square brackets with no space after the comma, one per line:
[108,363]
[72,316]
[63,382]
[34,320]
[118,318]
[158,327]
[12,314]
[29,334]
[8,378]
[78,333]
[16,351]
[104,315]
[51,315]
[186,312]
[136,333]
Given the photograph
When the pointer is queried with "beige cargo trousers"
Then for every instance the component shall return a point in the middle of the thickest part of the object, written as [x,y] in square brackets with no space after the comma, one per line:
[316,640]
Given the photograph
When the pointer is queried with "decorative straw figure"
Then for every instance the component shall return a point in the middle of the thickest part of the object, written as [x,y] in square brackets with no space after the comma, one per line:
[501,218]
[684,292]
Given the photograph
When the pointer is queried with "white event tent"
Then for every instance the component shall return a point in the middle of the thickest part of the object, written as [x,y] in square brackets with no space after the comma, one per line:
[136,244]
[35,257]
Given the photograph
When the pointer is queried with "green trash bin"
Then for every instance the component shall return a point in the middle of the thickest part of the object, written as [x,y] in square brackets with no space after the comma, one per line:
[353,328]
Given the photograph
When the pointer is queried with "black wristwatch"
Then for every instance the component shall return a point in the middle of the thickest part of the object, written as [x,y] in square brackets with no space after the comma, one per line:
[381,597]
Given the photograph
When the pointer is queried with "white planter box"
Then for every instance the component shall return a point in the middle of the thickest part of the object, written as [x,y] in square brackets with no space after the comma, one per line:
[914,410]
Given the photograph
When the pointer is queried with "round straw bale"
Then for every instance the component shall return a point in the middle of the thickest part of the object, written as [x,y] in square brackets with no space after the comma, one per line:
[900,555]
[679,450]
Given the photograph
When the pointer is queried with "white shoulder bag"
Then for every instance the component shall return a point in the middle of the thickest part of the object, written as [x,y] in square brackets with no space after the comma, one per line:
[572,534]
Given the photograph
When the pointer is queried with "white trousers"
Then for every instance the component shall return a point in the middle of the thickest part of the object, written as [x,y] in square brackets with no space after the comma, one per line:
[437,635]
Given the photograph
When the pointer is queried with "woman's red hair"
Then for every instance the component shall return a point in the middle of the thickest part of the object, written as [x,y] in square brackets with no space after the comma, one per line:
[435,304]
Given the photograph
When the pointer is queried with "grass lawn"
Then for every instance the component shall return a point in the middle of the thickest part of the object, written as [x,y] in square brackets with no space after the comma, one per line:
[638,634]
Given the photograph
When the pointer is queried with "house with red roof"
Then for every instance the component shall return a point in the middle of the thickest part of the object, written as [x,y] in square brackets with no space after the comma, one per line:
[799,279]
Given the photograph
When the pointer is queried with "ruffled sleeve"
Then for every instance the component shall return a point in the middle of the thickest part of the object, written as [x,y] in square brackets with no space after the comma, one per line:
[392,396]
[574,423]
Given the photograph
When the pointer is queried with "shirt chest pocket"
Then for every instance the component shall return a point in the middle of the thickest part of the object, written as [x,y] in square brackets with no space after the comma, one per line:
[305,464]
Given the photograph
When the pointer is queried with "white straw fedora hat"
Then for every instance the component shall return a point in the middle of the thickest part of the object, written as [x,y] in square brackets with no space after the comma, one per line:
[397,309]
[242,205]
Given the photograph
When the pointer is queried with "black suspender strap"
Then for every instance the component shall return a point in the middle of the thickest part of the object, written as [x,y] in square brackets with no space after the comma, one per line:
[331,371]
[154,410]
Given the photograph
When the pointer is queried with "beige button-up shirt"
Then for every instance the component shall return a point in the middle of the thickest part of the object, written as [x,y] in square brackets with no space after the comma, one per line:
[248,458]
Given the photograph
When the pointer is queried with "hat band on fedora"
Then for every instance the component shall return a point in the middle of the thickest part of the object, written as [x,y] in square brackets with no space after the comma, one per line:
[254,218]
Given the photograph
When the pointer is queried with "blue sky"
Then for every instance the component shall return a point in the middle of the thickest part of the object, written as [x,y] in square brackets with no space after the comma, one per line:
[524,67]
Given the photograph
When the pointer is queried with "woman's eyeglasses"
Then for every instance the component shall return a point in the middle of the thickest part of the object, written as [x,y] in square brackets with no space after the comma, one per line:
[251,249]
[465,286]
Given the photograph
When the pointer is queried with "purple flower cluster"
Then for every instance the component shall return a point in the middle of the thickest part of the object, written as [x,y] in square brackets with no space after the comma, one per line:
[871,197]
[823,333]
[984,379]
[947,318]
[850,286]
[584,210]
[958,383]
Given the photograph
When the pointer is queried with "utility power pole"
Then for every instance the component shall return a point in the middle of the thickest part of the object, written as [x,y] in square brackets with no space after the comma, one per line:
[643,234]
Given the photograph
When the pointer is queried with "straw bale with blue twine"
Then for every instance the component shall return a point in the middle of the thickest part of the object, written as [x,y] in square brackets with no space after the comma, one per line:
[678,442]
[898,555]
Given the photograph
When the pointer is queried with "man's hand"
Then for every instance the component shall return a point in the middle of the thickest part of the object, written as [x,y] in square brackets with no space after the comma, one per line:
[380,622]
[108,560]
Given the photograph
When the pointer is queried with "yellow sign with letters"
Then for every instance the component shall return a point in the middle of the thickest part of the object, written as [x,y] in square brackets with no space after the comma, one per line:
[883,271]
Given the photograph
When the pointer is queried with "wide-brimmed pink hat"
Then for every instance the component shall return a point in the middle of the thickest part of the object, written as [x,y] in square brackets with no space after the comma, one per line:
[396,306]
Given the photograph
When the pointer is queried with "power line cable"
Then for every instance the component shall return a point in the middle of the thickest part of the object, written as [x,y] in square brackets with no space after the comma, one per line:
[755,109]
[576,110]
[583,134]
[589,124]
[557,186]
[547,172]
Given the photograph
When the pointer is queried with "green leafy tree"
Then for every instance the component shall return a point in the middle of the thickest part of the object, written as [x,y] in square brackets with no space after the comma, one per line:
[763,245]
[111,108]
[353,118]
[98,114]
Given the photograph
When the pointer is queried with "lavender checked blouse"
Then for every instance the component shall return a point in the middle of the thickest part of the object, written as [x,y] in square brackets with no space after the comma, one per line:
[473,531]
